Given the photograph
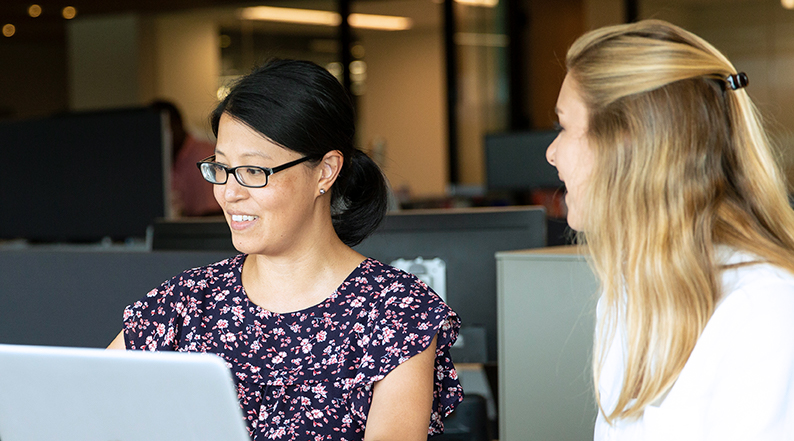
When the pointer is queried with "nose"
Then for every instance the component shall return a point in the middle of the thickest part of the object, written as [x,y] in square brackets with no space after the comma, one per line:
[232,190]
[551,151]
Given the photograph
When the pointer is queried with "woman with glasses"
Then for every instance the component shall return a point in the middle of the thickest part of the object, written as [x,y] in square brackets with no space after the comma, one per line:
[673,187]
[324,343]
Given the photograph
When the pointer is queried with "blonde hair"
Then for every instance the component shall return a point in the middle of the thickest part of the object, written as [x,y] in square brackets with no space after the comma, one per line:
[682,164]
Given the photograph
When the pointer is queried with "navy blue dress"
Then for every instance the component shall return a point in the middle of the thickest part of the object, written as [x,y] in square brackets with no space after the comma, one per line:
[304,375]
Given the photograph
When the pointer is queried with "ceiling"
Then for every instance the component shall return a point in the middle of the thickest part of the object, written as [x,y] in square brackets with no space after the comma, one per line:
[50,24]
[16,10]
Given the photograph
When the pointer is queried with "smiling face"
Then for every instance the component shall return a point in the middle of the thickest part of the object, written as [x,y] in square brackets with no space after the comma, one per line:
[570,152]
[272,219]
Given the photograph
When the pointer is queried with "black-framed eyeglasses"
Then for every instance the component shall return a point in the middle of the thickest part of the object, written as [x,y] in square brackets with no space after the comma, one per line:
[247,175]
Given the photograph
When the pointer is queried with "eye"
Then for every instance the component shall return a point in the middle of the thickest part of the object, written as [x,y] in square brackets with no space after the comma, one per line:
[216,168]
[254,172]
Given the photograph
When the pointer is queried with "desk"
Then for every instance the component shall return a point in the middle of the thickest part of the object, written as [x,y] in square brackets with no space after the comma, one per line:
[546,314]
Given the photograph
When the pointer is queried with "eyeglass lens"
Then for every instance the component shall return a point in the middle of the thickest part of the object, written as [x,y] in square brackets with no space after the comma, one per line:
[248,176]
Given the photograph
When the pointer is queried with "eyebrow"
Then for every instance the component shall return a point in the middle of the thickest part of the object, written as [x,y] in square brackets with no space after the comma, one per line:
[252,154]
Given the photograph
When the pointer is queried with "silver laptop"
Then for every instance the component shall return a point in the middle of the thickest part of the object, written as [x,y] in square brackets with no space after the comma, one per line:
[75,394]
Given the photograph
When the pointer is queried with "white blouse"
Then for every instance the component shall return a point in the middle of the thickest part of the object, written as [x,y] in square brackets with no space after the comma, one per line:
[738,383]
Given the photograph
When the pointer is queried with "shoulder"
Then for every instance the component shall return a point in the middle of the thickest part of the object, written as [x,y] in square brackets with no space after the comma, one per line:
[194,280]
[403,300]
[389,294]
[755,311]
[226,268]
[757,289]
[744,355]
[388,282]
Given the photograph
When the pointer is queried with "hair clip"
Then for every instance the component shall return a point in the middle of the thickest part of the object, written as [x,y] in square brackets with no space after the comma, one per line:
[738,80]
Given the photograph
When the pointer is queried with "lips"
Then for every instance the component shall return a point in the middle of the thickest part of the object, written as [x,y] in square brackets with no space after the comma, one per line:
[241,221]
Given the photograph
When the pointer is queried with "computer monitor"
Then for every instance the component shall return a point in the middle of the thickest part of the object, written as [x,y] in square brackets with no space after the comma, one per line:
[81,177]
[516,161]
[196,234]
[454,251]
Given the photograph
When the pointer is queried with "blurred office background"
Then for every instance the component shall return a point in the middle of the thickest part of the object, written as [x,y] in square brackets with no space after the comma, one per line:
[455,100]
[431,80]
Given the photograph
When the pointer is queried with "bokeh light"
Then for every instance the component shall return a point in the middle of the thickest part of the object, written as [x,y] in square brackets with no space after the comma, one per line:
[9,30]
[34,11]
[69,12]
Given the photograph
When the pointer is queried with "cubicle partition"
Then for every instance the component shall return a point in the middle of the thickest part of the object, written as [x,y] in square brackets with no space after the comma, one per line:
[75,295]
[547,300]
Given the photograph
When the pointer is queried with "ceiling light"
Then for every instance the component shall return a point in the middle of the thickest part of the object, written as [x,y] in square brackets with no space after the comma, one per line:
[290,15]
[788,4]
[379,22]
[325,18]
[485,3]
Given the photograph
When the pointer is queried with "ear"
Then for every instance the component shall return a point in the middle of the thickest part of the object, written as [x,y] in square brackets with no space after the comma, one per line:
[330,167]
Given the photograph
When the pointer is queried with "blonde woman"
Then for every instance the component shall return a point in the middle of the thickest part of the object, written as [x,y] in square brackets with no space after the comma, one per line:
[674,189]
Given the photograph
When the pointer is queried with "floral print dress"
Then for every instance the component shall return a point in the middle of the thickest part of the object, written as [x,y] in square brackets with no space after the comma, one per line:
[305,375]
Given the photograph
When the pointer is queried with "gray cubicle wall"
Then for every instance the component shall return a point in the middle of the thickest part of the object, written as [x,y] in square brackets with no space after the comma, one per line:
[73,296]
[547,301]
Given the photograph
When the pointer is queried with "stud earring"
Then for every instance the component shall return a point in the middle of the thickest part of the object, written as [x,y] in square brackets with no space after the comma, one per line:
[322,191]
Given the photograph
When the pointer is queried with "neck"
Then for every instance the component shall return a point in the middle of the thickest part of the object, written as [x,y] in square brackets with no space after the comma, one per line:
[303,277]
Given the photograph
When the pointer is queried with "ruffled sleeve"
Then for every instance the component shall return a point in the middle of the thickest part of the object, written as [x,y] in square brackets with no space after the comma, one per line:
[403,323]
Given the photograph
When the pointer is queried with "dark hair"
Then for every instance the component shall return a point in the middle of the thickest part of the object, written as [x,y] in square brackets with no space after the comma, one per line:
[302,107]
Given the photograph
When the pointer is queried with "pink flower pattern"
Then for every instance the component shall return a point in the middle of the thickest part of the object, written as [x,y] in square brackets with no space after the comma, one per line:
[305,375]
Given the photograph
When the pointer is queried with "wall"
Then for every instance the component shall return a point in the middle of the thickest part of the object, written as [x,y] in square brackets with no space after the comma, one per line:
[404,106]
[599,13]
[33,75]
[758,37]
[553,27]
[187,64]
[103,62]
[124,60]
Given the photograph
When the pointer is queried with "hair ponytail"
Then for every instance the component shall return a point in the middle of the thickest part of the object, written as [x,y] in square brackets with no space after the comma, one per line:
[359,199]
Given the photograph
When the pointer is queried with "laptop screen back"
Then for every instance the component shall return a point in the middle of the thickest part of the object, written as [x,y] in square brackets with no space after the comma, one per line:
[71,394]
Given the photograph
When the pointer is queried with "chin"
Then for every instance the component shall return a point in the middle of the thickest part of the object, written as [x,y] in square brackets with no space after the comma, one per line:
[243,246]
[574,222]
